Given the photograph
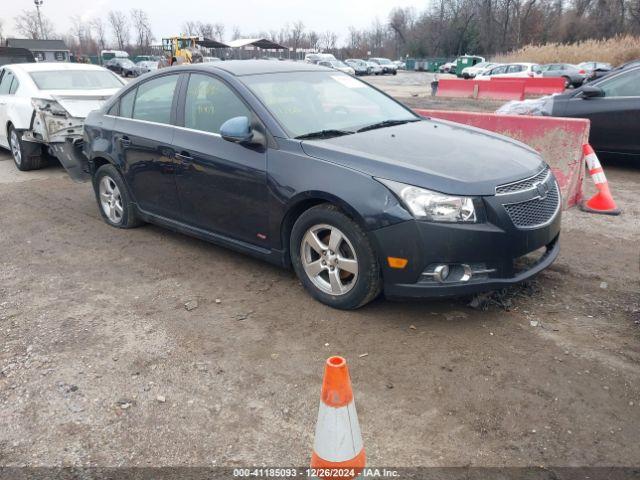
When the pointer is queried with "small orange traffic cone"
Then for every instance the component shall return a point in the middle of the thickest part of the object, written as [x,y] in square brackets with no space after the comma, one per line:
[601,202]
[338,452]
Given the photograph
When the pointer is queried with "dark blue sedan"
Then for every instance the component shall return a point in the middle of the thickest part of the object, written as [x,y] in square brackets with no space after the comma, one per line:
[308,167]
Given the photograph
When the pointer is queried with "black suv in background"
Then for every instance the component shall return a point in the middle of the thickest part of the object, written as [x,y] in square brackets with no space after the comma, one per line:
[9,55]
[305,166]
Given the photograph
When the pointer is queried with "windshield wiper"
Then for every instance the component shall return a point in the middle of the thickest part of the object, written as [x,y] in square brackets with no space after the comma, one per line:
[324,134]
[386,123]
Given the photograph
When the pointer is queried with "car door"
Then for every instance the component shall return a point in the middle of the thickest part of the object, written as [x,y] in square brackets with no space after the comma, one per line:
[143,134]
[221,185]
[615,117]
[6,79]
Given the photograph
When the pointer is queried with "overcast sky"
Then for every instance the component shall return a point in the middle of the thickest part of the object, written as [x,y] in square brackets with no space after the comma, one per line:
[249,15]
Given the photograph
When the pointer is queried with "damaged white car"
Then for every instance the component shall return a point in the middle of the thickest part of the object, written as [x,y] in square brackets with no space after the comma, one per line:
[43,107]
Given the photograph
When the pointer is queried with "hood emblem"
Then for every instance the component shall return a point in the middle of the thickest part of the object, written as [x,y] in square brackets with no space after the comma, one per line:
[543,190]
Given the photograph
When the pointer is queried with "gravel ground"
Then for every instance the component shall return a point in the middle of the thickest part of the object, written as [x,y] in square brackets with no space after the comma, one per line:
[149,348]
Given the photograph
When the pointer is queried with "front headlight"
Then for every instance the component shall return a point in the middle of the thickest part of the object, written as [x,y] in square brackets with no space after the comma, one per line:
[433,206]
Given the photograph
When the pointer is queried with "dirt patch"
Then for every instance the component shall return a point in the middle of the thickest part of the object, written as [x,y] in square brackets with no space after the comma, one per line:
[145,347]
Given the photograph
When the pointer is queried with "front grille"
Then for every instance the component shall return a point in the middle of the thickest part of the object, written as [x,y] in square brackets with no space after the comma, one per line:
[535,212]
[523,185]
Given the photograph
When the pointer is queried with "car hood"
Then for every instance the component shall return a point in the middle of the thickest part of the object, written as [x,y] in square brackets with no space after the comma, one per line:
[434,154]
[79,103]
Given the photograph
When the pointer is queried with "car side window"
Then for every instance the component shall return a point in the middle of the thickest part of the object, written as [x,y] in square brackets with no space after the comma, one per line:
[14,86]
[154,99]
[126,104]
[625,85]
[209,103]
[498,70]
[5,82]
[514,68]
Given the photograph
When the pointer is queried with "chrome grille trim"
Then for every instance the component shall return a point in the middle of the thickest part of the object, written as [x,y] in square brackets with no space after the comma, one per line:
[535,212]
[525,184]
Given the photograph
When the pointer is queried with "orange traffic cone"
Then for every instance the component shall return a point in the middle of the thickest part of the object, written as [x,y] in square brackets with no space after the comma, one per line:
[601,202]
[338,452]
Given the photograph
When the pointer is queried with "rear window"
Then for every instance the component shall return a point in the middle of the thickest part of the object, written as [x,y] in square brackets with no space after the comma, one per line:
[75,80]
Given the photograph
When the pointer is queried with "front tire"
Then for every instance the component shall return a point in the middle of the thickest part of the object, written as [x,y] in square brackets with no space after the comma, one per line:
[114,202]
[26,155]
[334,258]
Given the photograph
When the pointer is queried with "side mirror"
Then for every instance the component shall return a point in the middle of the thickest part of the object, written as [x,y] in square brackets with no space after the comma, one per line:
[237,130]
[589,91]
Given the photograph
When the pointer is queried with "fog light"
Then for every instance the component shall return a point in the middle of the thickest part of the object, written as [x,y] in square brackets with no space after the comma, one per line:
[441,272]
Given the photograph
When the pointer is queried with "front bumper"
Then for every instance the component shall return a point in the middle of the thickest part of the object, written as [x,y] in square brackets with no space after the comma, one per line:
[495,249]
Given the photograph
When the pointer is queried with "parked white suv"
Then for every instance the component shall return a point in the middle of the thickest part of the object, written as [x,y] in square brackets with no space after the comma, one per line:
[511,70]
[45,104]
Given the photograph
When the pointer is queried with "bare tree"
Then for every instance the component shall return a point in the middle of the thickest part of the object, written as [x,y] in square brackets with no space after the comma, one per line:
[313,38]
[142,28]
[236,33]
[190,28]
[329,40]
[1,36]
[28,24]
[97,24]
[120,28]
[80,30]
[205,30]
[297,35]
[218,30]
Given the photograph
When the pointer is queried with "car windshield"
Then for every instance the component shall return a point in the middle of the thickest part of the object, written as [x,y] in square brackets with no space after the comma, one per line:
[309,102]
[384,61]
[75,80]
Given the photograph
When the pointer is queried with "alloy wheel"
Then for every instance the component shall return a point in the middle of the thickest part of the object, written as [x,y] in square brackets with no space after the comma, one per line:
[110,199]
[329,259]
[15,147]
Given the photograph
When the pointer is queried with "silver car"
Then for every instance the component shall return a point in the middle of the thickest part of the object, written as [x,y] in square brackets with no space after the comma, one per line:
[573,76]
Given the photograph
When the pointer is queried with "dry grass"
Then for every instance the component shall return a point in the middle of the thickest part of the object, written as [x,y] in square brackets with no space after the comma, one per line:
[615,51]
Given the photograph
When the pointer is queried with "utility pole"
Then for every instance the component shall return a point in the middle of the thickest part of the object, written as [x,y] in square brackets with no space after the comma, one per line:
[38,4]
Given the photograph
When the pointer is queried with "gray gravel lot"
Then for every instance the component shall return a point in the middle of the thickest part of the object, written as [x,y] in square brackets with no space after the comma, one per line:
[101,363]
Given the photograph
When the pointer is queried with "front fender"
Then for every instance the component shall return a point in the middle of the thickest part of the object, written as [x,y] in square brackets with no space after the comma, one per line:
[294,178]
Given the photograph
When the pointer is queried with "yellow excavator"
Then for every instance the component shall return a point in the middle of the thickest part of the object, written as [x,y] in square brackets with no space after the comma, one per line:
[182,49]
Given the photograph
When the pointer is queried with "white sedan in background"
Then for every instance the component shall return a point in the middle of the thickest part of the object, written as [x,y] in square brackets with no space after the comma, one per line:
[337,65]
[477,69]
[43,106]
[511,70]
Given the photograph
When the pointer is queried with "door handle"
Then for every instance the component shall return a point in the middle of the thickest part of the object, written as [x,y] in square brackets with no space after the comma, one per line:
[125,142]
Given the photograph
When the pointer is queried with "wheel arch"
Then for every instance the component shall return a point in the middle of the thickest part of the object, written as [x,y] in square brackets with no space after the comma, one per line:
[303,202]
[98,161]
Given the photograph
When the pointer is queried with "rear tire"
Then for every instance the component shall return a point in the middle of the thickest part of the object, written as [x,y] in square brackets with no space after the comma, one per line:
[342,271]
[26,155]
[114,202]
